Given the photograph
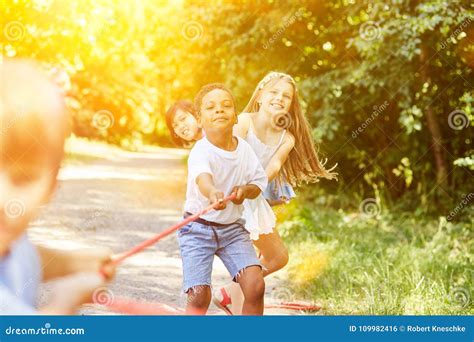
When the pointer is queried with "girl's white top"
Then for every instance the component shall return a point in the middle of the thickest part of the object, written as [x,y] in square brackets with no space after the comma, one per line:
[258,215]
[263,151]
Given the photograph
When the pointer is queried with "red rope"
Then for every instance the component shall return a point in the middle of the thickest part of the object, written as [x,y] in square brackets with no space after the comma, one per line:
[131,307]
[117,259]
[294,306]
[128,306]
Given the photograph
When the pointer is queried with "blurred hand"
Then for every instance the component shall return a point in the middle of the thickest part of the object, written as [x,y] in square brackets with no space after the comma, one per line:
[95,260]
[70,292]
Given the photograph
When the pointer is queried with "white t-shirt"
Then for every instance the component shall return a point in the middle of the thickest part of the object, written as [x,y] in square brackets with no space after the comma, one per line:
[20,275]
[228,169]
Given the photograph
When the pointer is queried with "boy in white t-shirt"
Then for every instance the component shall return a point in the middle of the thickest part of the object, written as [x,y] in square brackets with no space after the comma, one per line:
[218,165]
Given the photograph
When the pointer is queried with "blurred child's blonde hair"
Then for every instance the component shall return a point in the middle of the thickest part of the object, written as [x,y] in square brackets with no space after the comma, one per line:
[33,120]
[303,164]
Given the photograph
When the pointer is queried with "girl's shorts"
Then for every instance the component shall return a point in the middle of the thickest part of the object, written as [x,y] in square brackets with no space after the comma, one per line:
[279,191]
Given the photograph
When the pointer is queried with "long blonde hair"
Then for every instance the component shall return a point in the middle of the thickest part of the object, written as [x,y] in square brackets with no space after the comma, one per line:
[303,164]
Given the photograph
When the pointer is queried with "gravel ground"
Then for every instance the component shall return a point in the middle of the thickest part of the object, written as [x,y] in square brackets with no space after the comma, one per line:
[119,199]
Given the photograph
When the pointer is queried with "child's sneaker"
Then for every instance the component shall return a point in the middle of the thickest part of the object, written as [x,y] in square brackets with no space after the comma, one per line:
[222,300]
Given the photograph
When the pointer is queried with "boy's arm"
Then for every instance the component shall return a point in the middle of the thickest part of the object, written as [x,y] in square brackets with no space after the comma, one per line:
[58,263]
[206,186]
[200,171]
[256,179]
[242,192]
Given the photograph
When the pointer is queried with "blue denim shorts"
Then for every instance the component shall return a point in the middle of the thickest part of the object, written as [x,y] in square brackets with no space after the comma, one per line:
[198,243]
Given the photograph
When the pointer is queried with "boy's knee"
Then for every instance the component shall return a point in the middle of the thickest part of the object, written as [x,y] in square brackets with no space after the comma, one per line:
[256,291]
[199,296]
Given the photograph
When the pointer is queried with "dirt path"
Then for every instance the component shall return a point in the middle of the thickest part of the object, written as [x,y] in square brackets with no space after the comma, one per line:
[119,199]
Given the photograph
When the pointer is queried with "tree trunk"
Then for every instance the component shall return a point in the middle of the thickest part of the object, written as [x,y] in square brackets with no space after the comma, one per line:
[433,127]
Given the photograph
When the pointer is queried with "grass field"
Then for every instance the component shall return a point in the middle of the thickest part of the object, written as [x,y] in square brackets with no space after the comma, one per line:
[379,263]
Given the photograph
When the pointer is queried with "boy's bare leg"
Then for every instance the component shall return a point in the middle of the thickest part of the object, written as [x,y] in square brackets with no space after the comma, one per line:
[274,256]
[199,298]
[253,286]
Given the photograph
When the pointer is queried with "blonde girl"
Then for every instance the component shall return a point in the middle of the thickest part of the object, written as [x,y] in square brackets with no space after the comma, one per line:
[274,125]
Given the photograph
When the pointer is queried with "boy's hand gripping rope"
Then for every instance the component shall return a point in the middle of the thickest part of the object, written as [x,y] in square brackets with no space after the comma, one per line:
[118,258]
[131,307]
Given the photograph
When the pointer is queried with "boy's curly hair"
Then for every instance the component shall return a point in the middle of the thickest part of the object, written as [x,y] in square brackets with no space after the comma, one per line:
[208,88]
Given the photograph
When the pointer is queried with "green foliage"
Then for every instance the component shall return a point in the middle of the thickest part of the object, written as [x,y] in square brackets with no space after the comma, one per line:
[365,85]
[368,74]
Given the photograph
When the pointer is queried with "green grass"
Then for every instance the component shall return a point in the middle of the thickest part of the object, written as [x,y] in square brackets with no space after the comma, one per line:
[391,264]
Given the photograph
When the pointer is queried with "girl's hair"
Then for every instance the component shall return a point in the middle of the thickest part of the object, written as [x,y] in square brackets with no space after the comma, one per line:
[208,88]
[186,106]
[303,164]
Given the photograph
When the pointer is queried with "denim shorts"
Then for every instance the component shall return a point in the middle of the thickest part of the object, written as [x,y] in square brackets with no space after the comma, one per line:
[198,243]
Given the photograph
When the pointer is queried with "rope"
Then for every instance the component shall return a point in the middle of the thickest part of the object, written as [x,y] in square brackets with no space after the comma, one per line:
[119,258]
[128,306]
[131,307]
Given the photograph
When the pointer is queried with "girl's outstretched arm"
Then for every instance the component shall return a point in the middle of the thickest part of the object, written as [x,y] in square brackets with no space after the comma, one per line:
[279,158]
